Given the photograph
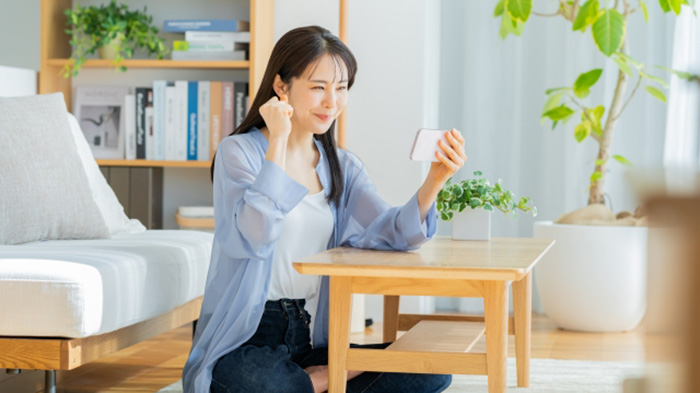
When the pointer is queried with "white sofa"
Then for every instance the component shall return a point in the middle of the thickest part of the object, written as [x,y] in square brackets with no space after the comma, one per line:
[67,302]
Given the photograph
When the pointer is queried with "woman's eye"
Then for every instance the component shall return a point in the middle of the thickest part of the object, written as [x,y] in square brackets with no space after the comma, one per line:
[342,88]
[318,87]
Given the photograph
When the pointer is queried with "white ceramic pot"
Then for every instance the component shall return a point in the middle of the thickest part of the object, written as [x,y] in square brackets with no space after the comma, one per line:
[471,224]
[594,277]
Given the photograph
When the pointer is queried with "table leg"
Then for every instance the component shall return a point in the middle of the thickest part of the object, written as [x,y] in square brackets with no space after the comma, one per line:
[496,318]
[338,333]
[522,319]
[391,317]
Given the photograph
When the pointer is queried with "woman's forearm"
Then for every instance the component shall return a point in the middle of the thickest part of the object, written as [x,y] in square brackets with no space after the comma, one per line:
[277,151]
[426,196]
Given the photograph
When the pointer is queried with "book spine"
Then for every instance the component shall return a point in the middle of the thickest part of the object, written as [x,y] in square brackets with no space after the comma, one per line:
[215,116]
[192,97]
[240,91]
[209,55]
[234,36]
[148,123]
[159,119]
[203,46]
[227,108]
[130,126]
[181,115]
[203,118]
[183,25]
[140,123]
[170,121]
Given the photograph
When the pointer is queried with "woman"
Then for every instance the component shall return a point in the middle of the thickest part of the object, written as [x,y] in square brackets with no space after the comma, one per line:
[283,191]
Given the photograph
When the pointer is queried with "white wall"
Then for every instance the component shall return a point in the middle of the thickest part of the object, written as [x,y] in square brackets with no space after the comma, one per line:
[17,81]
[19,34]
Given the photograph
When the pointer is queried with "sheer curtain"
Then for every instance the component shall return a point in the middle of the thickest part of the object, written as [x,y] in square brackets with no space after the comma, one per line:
[493,90]
[682,149]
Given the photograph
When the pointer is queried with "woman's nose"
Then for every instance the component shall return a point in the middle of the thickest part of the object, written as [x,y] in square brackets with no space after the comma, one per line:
[329,99]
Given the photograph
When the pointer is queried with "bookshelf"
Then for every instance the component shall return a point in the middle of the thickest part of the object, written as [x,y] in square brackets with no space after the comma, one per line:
[55,52]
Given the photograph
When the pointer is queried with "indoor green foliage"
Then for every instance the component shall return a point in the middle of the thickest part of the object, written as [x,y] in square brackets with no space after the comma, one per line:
[608,23]
[92,28]
[479,193]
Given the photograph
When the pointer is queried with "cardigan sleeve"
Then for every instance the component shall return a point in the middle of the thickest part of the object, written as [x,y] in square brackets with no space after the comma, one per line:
[249,203]
[372,223]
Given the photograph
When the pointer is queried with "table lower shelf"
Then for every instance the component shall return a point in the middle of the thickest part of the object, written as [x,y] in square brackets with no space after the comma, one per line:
[430,347]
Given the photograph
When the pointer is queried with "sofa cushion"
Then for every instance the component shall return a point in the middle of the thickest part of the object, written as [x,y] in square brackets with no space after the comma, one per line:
[78,288]
[44,193]
[112,211]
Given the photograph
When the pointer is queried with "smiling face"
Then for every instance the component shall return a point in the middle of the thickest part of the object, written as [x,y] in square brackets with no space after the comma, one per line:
[318,96]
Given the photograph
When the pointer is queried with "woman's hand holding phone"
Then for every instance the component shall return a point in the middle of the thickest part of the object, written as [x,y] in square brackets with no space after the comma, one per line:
[277,114]
[450,160]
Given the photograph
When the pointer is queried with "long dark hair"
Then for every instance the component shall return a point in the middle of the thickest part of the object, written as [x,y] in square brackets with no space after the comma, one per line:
[290,57]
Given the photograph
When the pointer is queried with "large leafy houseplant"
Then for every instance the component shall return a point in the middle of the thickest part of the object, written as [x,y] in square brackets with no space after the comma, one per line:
[92,28]
[608,23]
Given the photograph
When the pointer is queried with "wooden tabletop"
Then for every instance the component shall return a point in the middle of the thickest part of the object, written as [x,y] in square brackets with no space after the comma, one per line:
[441,257]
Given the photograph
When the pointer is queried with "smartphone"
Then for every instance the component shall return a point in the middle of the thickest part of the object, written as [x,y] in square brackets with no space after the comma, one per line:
[426,144]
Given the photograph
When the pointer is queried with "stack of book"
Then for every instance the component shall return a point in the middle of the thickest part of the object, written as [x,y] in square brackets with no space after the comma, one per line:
[210,39]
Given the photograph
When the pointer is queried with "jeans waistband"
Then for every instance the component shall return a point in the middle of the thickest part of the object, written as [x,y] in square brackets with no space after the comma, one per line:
[285,304]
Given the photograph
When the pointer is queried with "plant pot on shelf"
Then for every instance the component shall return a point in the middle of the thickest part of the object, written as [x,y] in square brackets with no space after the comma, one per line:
[593,278]
[110,50]
[471,224]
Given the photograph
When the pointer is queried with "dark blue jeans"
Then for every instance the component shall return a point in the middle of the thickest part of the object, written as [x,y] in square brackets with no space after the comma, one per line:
[274,359]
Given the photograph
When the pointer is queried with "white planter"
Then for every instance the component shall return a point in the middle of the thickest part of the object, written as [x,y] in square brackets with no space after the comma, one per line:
[594,277]
[471,224]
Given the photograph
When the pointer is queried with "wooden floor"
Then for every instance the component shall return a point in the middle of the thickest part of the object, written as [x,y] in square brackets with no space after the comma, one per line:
[154,364]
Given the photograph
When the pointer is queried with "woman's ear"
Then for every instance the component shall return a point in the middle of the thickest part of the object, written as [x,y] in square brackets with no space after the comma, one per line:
[279,86]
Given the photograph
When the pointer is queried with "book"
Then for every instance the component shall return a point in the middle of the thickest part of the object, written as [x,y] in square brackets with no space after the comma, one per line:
[183,25]
[159,119]
[215,134]
[141,102]
[226,109]
[181,121]
[235,36]
[209,55]
[148,114]
[203,119]
[130,127]
[192,98]
[203,46]
[171,124]
[240,91]
[100,113]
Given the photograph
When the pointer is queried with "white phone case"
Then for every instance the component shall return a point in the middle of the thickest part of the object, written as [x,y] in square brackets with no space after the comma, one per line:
[426,144]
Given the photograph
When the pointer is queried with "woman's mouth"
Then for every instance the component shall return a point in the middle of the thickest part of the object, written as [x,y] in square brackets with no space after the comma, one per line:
[323,117]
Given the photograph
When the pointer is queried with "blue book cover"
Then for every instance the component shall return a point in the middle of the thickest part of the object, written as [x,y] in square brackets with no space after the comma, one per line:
[192,98]
[183,25]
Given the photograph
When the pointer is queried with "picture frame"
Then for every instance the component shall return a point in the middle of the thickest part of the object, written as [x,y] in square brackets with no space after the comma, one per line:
[101,114]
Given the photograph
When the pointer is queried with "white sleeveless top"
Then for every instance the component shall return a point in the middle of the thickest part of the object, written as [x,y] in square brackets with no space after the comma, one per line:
[307,230]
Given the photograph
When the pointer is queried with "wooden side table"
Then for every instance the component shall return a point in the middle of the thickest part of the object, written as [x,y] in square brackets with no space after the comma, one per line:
[434,344]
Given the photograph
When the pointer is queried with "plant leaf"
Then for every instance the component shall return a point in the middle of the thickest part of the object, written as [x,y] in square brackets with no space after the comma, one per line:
[609,31]
[643,6]
[622,160]
[623,65]
[519,10]
[596,176]
[654,78]
[555,89]
[498,11]
[656,93]
[681,74]
[552,102]
[559,113]
[586,15]
[585,81]
[597,162]
[478,173]
[581,131]
[668,5]
[635,63]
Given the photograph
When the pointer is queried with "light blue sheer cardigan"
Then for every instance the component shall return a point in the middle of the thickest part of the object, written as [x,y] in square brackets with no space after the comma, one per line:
[251,199]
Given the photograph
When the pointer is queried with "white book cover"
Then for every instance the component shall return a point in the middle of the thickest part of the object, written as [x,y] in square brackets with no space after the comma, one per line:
[195,46]
[130,126]
[235,36]
[181,119]
[159,119]
[171,123]
[203,121]
[150,150]
[100,113]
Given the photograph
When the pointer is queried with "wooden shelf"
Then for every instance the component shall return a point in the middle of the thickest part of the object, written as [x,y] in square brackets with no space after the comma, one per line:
[150,63]
[153,163]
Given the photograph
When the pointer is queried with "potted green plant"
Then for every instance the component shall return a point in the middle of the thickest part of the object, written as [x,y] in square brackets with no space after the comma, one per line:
[112,30]
[593,279]
[482,198]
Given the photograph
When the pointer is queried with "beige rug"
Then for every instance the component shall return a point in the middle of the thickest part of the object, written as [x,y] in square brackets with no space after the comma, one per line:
[546,376]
